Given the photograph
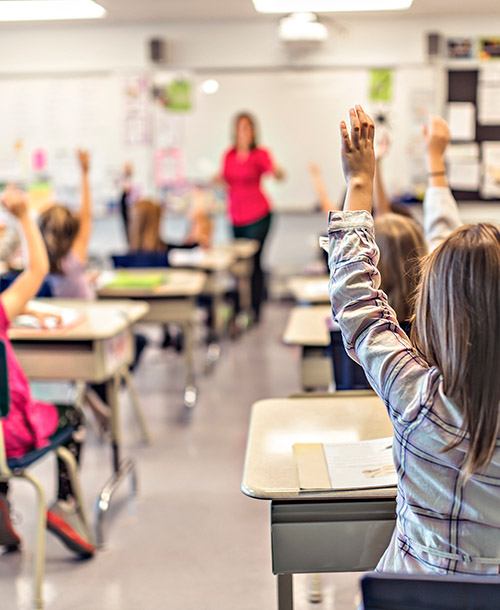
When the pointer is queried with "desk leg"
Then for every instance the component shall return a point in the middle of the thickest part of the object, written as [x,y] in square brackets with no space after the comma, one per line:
[121,468]
[190,390]
[285,591]
[136,406]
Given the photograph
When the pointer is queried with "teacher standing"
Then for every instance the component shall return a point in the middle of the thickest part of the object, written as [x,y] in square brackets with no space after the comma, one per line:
[244,165]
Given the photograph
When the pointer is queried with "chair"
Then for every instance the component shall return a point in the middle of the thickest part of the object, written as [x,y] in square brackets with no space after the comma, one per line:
[17,468]
[348,374]
[140,260]
[7,278]
[429,592]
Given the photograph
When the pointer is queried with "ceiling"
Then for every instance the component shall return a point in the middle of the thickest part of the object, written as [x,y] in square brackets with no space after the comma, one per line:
[216,10]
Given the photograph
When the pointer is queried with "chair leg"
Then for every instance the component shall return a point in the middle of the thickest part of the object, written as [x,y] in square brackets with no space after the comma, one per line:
[72,467]
[136,406]
[40,539]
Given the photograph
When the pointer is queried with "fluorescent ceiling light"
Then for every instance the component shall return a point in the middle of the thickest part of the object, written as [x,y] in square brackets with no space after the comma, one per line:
[48,10]
[327,6]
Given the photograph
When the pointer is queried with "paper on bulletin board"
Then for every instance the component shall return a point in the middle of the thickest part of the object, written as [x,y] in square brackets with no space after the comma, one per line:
[381,85]
[464,170]
[462,120]
[488,95]
[490,186]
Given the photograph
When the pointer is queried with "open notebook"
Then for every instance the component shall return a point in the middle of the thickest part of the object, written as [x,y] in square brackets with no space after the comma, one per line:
[342,466]
[47,318]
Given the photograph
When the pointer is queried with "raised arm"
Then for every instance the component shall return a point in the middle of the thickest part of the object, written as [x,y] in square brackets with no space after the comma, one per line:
[81,243]
[319,186]
[441,215]
[15,297]
[369,325]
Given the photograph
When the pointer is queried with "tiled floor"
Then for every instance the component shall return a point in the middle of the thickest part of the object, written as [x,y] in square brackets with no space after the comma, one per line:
[192,541]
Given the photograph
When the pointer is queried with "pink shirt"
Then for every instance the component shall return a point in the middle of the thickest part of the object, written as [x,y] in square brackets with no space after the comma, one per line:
[247,201]
[74,282]
[30,422]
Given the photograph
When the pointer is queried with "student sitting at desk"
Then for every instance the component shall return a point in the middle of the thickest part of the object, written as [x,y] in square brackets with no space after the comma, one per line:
[30,423]
[442,389]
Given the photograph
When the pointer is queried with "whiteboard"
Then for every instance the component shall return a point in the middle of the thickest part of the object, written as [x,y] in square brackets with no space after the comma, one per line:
[299,113]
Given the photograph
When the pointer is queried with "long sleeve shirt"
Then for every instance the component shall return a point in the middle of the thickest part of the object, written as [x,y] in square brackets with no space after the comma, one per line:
[444,523]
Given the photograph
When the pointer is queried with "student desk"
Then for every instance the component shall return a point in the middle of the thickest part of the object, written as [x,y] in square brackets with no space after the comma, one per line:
[98,349]
[321,531]
[310,290]
[174,302]
[243,251]
[306,327]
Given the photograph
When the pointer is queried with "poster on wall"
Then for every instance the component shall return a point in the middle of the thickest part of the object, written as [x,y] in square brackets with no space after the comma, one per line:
[460,48]
[381,85]
[462,120]
[173,91]
[136,103]
[463,165]
[489,48]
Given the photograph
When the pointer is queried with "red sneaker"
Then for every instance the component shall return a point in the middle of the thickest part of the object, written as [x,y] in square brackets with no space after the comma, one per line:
[64,521]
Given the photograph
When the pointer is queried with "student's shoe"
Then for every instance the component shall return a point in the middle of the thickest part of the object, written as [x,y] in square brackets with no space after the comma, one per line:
[8,536]
[64,521]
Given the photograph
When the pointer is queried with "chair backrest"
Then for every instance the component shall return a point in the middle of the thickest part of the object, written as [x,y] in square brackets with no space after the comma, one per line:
[7,278]
[140,259]
[4,382]
[429,592]
[348,374]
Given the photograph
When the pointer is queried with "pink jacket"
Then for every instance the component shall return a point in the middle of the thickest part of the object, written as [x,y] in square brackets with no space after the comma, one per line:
[30,423]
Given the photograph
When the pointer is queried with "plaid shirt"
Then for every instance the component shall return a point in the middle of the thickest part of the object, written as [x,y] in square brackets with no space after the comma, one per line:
[444,524]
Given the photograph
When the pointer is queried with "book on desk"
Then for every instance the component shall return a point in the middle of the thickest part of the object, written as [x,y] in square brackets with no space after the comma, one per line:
[342,466]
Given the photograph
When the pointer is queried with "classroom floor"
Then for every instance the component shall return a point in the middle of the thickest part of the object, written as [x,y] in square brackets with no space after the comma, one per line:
[192,541]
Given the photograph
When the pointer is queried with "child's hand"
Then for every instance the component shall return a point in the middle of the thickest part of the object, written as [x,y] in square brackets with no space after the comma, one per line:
[84,160]
[437,135]
[15,201]
[358,158]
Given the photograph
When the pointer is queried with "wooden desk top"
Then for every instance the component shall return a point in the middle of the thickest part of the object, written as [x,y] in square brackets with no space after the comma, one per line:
[307,326]
[310,289]
[277,424]
[102,320]
[179,283]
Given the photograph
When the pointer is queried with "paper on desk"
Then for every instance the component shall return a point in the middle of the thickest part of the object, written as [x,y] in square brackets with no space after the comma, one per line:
[53,319]
[362,465]
[343,466]
[185,256]
[463,166]
[462,120]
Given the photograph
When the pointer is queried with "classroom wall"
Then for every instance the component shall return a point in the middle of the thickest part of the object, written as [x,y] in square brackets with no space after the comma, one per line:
[360,41]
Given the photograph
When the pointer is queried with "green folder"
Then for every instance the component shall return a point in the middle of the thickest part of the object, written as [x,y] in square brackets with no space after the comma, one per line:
[146,281]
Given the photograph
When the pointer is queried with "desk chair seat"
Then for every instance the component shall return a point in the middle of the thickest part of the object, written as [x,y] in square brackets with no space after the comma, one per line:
[140,260]
[430,592]
[7,278]
[58,439]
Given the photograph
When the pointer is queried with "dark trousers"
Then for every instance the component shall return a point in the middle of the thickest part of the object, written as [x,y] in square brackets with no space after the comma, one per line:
[257,230]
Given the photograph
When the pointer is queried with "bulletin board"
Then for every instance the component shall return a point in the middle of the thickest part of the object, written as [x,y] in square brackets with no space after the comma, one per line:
[478,91]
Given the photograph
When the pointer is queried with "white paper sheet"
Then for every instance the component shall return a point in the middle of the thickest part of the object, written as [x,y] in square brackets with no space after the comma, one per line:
[464,171]
[462,120]
[490,186]
[362,465]
[488,95]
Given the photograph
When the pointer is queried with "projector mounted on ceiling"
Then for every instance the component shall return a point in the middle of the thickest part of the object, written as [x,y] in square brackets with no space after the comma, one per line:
[302,29]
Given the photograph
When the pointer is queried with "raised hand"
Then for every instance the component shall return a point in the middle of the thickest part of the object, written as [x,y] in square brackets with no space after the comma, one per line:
[358,159]
[436,135]
[84,160]
[15,201]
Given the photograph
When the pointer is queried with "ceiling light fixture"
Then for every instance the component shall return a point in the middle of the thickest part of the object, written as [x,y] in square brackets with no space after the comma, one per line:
[302,27]
[49,10]
[327,6]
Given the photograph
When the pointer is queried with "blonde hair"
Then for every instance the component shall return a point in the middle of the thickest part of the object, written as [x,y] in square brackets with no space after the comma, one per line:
[59,227]
[145,227]
[457,329]
[402,244]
